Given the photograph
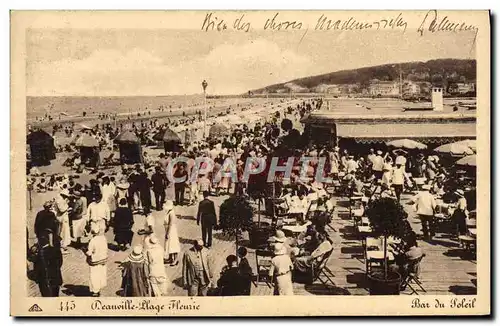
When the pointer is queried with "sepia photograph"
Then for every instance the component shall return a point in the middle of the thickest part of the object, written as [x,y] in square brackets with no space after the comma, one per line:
[251,154]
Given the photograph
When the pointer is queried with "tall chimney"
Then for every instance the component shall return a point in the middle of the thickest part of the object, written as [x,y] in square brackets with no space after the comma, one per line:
[437,98]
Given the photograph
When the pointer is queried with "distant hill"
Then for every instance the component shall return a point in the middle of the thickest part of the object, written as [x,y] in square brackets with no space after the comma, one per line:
[440,71]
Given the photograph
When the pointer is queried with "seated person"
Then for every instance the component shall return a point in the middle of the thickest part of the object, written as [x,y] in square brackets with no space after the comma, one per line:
[231,282]
[321,216]
[411,253]
[42,185]
[304,263]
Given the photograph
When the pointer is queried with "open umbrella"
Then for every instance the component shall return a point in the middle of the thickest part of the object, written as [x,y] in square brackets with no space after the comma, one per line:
[471,143]
[407,144]
[467,161]
[218,130]
[171,136]
[126,136]
[455,149]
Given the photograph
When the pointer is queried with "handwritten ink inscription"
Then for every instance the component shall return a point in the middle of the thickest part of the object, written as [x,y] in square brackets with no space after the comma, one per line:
[455,303]
[324,23]
[431,23]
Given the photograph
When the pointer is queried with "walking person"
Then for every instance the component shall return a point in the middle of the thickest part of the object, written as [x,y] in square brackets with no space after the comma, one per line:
[172,244]
[426,205]
[61,208]
[208,218]
[196,270]
[123,222]
[281,270]
[159,181]
[99,213]
[156,270]
[46,222]
[97,257]
[47,266]
[180,176]
[79,216]
[134,275]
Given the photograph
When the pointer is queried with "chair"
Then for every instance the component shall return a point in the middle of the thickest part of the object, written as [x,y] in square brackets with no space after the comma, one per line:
[413,276]
[319,270]
[374,253]
[263,263]
[312,207]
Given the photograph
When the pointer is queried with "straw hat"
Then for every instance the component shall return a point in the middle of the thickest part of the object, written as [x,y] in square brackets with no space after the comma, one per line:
[279,249]
[379,152]
[459,192]
[279,237]
[136,254]
[47,204]
[153,239]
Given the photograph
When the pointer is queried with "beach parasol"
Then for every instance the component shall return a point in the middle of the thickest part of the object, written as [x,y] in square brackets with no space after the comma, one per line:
[218,130]
[167,135]
[87,141]
[467,161]
[407,144]
[455,149]
[126,136]
[471,143]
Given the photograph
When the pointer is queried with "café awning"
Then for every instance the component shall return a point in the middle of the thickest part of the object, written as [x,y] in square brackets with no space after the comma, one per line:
[427,132]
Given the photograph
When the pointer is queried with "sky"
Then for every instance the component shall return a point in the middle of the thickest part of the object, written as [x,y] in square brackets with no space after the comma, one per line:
[133,62]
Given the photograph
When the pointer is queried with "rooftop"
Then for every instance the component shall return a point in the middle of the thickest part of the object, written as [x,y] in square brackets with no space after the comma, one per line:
[343,109]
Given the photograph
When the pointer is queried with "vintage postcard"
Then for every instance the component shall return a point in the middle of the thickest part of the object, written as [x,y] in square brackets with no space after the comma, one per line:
[250,163]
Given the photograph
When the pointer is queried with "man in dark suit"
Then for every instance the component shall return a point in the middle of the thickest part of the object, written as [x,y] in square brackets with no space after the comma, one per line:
[159,181]
[207,216]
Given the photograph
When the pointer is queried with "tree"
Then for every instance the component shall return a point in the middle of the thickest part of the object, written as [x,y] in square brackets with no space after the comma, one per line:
[387,218]
[236,216]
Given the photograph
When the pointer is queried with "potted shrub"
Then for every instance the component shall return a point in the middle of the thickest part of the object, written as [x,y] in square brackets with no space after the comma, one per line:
[387,218]
[236,215]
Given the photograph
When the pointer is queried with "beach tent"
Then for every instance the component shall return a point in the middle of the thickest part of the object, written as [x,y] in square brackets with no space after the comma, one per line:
[42,148]
[218,130]
[89,150]
[171,140]
[129,146]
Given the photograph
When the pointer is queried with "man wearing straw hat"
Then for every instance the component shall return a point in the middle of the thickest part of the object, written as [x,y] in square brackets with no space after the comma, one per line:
[97,256]
[426,205]
[196,270]
[79,215]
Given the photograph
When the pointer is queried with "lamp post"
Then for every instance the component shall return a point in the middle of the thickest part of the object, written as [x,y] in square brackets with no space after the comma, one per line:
[204,84]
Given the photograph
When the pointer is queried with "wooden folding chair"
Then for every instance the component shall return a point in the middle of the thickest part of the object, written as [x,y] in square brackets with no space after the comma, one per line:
[413,277]
[321,272]
[263,263]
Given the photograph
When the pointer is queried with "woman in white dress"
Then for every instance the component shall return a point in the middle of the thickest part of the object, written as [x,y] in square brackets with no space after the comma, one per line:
[172,244]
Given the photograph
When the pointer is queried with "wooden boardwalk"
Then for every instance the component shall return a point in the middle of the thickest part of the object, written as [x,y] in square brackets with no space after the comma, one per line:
[445,269]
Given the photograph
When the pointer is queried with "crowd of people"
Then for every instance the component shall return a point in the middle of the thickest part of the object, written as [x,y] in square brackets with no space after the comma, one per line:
[110,201]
